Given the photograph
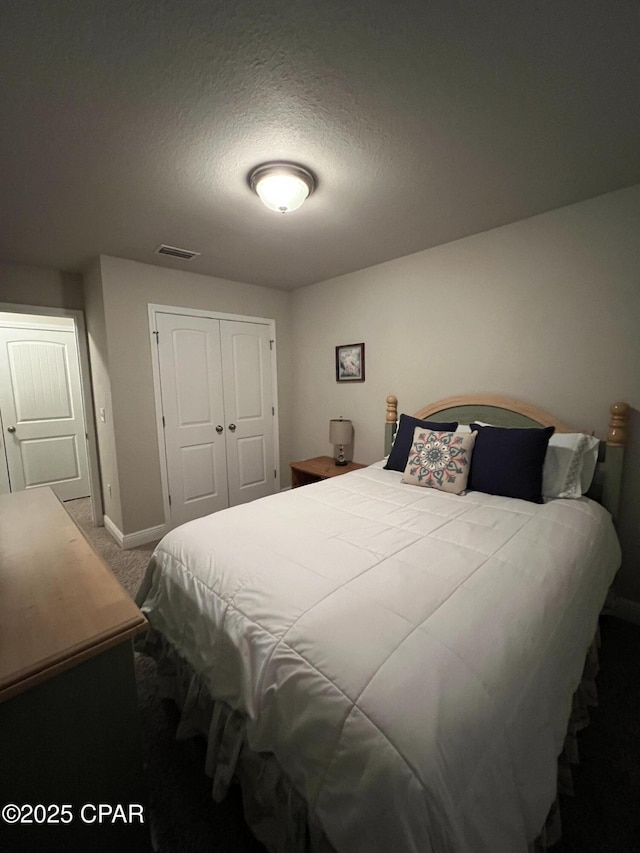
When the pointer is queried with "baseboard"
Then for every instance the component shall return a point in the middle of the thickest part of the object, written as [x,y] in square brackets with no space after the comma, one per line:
[623,608]
[132,540]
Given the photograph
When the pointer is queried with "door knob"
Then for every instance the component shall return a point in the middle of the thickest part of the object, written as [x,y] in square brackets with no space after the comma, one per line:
[219,428]
[232,427]
[13,429]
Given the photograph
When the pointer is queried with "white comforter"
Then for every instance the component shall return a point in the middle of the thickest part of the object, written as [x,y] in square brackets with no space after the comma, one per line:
[408,656]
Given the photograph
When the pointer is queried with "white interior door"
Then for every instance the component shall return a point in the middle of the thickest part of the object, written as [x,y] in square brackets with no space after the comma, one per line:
[42,411]
[192,405]
[248,401]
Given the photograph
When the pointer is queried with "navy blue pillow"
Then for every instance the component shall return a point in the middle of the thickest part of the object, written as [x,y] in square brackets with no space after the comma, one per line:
[508,461]
[397,460]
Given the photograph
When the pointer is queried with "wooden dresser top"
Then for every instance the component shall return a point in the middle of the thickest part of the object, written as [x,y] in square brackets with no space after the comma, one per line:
[60,604]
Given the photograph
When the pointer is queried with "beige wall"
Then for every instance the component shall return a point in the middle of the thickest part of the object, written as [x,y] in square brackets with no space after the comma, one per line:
[23,285]
[127,289]
[547,310]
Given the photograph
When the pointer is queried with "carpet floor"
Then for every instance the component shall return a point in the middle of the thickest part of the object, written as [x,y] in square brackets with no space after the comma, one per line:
[602,817]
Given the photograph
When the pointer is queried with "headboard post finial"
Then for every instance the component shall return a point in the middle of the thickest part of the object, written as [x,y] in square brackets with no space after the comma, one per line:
[391,423]
[617,435]
[392,409]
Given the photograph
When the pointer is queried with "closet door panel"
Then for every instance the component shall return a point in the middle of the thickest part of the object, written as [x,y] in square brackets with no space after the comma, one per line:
[192,404]
[248,400]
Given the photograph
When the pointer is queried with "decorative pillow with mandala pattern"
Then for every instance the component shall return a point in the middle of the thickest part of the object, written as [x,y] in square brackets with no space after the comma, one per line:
[440,460]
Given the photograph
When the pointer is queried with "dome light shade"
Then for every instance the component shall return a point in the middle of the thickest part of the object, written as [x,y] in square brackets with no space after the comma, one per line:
[282,186]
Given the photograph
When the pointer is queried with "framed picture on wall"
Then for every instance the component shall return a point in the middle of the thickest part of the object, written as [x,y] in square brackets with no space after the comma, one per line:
[350,363]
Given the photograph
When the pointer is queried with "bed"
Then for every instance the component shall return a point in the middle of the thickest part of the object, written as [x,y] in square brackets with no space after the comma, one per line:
[384,666]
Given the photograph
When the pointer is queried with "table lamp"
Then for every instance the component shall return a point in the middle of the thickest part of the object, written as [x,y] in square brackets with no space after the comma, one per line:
[340,434]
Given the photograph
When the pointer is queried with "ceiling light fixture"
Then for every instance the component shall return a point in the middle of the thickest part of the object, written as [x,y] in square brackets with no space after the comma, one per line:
[282,186]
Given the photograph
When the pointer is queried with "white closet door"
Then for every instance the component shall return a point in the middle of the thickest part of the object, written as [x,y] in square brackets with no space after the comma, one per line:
[248,400]
[42,412]
[192,404]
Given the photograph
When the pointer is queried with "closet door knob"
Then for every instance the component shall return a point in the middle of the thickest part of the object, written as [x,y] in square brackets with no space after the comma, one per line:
[219,428]
[232,427]
[11,429]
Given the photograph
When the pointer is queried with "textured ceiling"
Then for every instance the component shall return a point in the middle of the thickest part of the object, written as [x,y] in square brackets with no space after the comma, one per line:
[130,124]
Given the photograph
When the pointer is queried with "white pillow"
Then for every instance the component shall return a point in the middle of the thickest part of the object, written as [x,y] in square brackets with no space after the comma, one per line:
[569,465]
[589,462]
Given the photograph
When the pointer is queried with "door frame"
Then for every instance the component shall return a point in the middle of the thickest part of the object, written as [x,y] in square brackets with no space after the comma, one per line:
[154,309]
[87,392]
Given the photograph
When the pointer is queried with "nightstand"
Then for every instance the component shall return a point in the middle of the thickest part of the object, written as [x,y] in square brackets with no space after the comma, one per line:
[318,468]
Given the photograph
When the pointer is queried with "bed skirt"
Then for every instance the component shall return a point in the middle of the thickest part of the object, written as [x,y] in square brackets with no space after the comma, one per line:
[273,808]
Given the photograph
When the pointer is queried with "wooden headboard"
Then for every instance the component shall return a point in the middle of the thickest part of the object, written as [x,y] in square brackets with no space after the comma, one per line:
[505,411]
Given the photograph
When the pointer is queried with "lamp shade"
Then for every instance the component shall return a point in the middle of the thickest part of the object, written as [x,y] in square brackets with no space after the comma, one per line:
[283,193]
[340,431]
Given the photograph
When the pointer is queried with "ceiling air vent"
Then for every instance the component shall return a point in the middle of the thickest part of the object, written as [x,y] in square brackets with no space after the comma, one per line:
[183,254]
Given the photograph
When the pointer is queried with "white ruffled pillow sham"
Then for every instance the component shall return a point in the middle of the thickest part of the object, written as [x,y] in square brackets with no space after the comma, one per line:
[569,464]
